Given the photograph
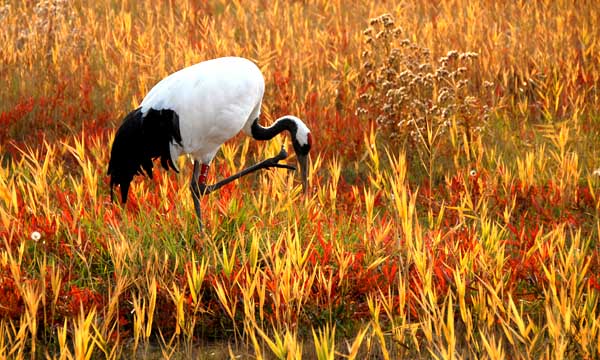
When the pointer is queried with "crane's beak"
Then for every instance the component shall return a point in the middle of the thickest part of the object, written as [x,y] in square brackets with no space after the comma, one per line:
[303,162]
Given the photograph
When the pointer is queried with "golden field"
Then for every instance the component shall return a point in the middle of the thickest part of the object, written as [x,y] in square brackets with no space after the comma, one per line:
[454,204]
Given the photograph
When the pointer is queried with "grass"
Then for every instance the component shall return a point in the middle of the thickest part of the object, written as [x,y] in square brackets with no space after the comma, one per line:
[458,245]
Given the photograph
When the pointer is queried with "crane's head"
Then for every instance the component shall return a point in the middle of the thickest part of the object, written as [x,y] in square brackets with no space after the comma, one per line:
[302,141]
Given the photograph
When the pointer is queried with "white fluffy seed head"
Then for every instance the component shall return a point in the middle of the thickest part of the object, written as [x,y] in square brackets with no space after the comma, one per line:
[36,236]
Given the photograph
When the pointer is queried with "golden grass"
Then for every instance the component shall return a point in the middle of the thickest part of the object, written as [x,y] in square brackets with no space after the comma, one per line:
[490,250]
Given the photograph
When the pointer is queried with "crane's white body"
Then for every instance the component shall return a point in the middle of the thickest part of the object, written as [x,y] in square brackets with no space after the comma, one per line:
[214,100]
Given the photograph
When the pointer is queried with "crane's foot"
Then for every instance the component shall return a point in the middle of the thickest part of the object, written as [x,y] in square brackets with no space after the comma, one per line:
[277,165]
[274,161]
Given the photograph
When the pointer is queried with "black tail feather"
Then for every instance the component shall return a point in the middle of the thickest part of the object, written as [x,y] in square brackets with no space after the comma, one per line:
[140,139]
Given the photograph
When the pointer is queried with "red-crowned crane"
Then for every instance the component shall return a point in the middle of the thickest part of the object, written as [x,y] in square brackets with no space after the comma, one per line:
[194,111]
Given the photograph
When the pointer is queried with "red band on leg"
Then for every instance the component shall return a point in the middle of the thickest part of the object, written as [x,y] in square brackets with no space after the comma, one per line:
[203,174]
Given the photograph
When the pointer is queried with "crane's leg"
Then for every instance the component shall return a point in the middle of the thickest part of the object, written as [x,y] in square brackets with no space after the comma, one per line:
[197,185]
[265,164]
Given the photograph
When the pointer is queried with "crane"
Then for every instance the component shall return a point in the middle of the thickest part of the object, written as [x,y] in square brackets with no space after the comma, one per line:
[194,111]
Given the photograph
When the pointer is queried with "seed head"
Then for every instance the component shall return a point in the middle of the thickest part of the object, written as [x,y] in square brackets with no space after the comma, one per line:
[452,54]
[36,236]
[443,96]
[441,73]
[471,100]
[446,113]
[387,20]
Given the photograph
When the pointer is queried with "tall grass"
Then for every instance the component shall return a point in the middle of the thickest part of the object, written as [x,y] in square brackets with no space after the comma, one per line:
[494,257]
